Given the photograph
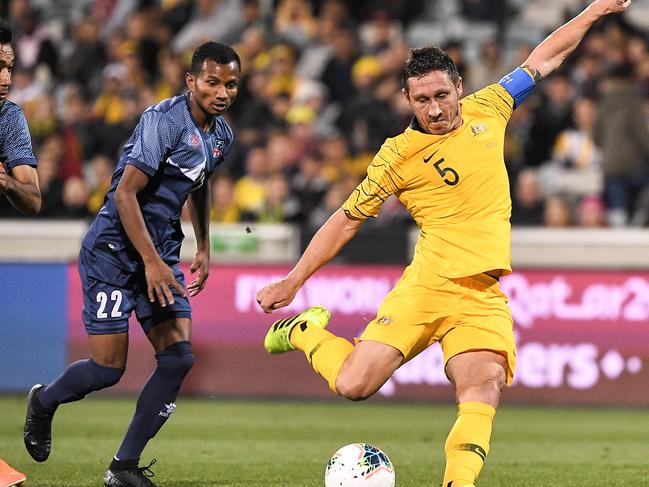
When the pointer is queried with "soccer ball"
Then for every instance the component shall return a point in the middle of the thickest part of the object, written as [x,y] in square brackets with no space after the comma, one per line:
[359,465]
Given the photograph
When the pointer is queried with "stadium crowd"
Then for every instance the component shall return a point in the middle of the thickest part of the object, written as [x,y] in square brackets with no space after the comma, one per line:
[320,92]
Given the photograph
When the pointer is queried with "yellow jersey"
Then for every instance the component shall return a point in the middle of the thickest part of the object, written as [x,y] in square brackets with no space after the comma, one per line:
[455,186]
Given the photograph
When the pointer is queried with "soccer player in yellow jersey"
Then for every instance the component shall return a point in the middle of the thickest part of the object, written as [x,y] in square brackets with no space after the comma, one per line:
[448,170]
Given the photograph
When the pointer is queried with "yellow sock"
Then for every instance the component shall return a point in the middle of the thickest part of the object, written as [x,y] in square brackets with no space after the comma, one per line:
[467,444]
[325,351]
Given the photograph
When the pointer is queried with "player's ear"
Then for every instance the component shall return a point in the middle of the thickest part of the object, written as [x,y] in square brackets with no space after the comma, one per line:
[190,81]
[406,94]
[459,87]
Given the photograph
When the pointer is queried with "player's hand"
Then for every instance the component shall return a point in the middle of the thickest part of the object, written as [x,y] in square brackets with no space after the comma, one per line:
[606,7]
[201,264]
[160,279]
[4,179]
[276,295]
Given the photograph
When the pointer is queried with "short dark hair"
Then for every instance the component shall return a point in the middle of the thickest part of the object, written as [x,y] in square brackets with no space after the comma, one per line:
[6,36]
[424,60]
[214,51]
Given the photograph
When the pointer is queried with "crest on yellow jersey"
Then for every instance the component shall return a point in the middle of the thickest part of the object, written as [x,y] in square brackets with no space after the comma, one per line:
[478,128]
[385,320]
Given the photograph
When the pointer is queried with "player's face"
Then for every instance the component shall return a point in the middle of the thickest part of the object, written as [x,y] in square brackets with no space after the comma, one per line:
[6,68]
[215,88]
[435,100]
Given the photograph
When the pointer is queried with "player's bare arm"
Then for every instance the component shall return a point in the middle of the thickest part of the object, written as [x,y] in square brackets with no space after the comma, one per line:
[199,214]
[550,53]
[21,188]
[159,276]
[324,246]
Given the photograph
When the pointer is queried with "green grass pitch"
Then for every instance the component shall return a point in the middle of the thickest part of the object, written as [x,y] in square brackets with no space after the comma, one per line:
[282,443]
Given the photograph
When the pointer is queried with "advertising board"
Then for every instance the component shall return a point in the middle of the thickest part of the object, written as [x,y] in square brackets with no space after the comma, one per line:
[582,336]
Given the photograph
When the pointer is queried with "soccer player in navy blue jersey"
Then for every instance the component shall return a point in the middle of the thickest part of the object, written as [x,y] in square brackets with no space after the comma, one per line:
[18,178]
[129,259]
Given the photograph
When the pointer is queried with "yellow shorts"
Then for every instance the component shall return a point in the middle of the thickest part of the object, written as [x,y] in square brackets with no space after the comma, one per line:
[463,314]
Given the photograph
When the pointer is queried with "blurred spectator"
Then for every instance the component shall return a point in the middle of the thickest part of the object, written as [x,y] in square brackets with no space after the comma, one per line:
[33,47]
[75,199]
[312,94]
[335,154]
[401,112]
[253,18]
[109,106]
[490,67]
[366,119]
[114,14]
[250,190]
[99,174]
[492,10]
[318,52]
[283,80]
[171,81]
[78,132]
[621,132]
[87,55]
[517,137]
[136,76]
[337,75]
[282,152]
[392,59]
[280,104]
[252,49]
[334,198]
[643,82]
[294,22]
[50,183]
[404,10]
[308,183]
[175,14]
[591,213]
[586,73]
[551,116]
[212,20]
[575,169]
[254,101]
[379,32]
[557,213]
[116,133]
[527,200]
[302,131]
[455,49]
[280,205]
[42,118]
[224,208]
[25,88]
[142,42]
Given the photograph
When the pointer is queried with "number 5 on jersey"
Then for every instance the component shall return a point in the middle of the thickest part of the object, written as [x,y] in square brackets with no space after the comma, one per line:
[448,174]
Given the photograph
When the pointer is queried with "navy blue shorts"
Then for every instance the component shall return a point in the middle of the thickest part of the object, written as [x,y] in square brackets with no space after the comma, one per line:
[111,293]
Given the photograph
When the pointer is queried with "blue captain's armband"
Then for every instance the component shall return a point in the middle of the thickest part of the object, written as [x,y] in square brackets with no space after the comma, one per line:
[519,84]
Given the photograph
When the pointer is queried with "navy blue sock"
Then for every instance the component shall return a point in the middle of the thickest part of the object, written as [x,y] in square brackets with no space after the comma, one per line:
[158,399]
[79,379]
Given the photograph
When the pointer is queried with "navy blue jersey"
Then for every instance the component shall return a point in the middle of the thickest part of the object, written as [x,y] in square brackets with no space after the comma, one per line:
[179,157]
[15,141]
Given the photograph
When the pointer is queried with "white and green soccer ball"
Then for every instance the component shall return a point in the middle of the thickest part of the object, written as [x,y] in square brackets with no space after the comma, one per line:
[359,465]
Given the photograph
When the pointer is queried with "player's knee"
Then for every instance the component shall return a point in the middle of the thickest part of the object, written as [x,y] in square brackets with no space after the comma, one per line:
[104,376]
[485,388]
[354,389]
[176,359]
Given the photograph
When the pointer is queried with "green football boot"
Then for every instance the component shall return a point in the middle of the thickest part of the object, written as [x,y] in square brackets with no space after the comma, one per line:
[277,338]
